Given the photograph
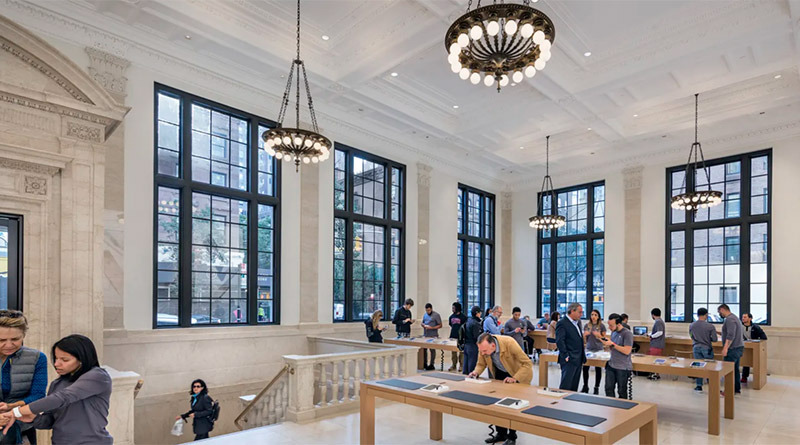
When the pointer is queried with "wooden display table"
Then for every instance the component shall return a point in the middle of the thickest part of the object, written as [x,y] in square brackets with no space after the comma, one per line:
[618,422]
[755,352]
[713,371]
[442,344]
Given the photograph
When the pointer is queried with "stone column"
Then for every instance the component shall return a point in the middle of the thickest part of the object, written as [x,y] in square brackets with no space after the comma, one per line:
[505,265]
[121,405]
[108,71]
[632,177]
[309,241]
[423,230]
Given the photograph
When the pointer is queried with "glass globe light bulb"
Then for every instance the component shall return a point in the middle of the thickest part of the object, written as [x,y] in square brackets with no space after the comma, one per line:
[503,80]
[476,32]
[270,143]
[511,27]
[492,28]
[545,55]
[530,71]
[278,155]
[452,58]
[308,142]
[538,37]
[288,158]
[298,141]
[306,159]
[545,45]
[277,140]
[455,48]
[539,64]
[463,40]
[517,76]
[456,67]
[317,145]
[315,159]
[475,78]
[526,30]
[287,140]
[324,150]
[488,80]
[464,73]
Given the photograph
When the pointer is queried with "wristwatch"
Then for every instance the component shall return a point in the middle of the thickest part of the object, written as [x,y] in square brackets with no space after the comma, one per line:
[16,412]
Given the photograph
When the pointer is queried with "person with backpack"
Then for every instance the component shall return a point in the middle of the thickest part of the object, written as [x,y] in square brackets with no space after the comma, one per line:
[471,331]
[457,320]
[204,410]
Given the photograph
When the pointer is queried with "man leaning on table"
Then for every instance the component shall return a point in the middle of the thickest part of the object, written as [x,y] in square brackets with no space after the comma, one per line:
[619,366]
[507,362]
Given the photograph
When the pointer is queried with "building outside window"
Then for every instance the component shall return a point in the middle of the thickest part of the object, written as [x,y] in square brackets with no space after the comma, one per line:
[475,250]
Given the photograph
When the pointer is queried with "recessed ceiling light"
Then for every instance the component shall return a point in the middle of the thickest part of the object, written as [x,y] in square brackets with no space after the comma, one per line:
[187,37]
[635,115]
[589,129]
[778,76]
[513,84]
[394,74]
[326,38]
[522,148]
[587,54]
[455,106]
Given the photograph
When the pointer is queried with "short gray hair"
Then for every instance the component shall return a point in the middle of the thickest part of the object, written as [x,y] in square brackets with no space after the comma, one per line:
[573,307]
[494,309]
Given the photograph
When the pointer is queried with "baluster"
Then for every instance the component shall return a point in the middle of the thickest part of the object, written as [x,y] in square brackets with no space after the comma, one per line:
[367,370]
[401,361]
[334,383]
[346,381]
[386,370]
[356,378]
[322,384]
[285,402]
[268,416]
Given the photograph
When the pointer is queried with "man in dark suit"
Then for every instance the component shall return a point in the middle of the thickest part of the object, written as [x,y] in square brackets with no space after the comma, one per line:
[571,354]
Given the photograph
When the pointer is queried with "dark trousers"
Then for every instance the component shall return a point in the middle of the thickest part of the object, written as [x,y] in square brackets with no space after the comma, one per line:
[617,378]
[570,376]
[470,357]
[734,355]
[745,372]
[201,436]
[503,432]
[432,353]
[598,374]
[527,342]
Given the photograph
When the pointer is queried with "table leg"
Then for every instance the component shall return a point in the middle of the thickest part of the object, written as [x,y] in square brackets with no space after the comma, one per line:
[367,418]
[421,358]
[542,372]
[436,425]
[729,392]
[441,366]
[713,405]
[648,434]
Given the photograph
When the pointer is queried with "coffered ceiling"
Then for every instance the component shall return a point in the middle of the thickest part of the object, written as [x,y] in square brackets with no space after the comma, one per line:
[631,98]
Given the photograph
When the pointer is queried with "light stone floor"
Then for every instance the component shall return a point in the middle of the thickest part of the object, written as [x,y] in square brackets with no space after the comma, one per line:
[769,416]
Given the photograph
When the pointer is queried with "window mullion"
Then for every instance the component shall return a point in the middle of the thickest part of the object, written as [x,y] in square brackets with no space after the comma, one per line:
[185,219]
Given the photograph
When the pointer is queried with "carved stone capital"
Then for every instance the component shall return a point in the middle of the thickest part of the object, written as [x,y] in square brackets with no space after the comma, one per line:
[83,132]
[506,200]
[35,185]
[109,71]
[632,176]
[423,175]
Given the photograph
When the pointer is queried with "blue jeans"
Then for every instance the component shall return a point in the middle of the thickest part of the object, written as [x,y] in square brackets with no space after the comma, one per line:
[470,357]
[734,355]
[700,351]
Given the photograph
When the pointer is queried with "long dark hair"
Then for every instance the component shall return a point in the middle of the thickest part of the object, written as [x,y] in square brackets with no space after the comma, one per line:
[202,391]
[82,349]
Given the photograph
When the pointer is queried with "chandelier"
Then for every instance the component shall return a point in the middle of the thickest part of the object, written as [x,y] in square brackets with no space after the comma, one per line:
[297,144]
[698,199]
[499,43]
[547,222]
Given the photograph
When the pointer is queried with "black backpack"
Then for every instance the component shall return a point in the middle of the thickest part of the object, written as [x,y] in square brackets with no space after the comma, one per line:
[214,411]
[462,337]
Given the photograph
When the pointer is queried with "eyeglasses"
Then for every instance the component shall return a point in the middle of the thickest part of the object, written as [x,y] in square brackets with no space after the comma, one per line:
[197,386]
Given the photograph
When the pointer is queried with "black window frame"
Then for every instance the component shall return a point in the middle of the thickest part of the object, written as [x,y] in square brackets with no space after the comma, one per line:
[464,239]
[553,240]
[350,217]
[14,224]
[744,221]
[186,187]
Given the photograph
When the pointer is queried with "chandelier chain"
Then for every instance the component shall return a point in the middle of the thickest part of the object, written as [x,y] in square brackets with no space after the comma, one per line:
[298,29]
[285,101]
[310,101]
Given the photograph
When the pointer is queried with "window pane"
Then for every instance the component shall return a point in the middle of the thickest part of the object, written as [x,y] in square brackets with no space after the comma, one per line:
[677,276]
[266,259]
[369,187]
[221,155]
[168,256]
[266,168]
[368,268]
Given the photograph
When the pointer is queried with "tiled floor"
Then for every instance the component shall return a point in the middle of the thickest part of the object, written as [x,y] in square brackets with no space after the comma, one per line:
[769,416]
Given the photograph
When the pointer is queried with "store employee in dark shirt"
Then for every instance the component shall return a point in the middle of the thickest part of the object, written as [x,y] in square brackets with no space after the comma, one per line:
[457,319]
[751,332]
[619,366]
[402,319]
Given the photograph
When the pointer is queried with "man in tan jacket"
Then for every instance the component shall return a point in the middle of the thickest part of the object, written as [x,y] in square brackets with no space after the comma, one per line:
[507,362]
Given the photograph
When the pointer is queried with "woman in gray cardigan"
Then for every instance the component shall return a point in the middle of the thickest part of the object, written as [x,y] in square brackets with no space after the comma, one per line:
[76,406]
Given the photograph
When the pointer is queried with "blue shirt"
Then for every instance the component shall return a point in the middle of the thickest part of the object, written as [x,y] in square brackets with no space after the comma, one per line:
[577,326]
[490,325]
[38,384]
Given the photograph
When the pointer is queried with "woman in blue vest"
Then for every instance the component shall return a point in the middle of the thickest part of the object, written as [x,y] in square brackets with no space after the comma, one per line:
[201,412]
[24,373]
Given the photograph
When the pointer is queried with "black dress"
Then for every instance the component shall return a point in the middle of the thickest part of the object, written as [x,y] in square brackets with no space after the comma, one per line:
[202,409]
[373,335]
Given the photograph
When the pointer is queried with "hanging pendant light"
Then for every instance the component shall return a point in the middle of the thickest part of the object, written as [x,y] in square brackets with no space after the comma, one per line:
[698,199]
[297,144]
[548,222]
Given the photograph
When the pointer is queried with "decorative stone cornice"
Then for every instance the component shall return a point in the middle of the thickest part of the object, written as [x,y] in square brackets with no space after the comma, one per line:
[108,70]
[423,175]
[13,164]
[43,68]
[53,108]
[83,132]
[632,177]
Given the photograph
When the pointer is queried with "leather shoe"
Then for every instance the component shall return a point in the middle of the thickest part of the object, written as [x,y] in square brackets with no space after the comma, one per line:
[510,442]
[493,439]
